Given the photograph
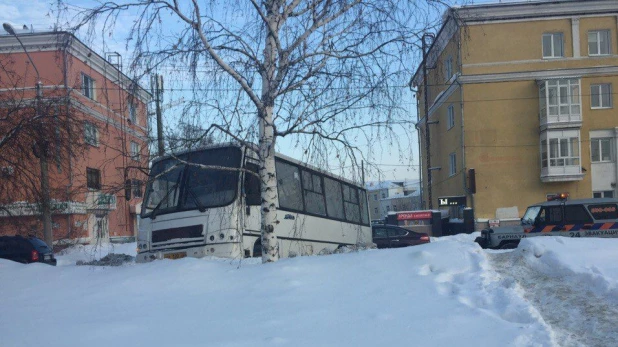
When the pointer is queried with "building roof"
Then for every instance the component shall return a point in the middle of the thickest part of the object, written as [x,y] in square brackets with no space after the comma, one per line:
[395,196]
[405,184]
[36,41]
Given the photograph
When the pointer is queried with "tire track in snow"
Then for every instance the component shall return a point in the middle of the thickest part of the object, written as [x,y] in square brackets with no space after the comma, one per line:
[576,315]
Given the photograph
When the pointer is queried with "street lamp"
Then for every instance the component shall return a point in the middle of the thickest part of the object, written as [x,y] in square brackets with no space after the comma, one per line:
[46,203]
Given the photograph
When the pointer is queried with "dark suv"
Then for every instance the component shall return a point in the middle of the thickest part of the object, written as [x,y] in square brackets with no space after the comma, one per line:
[26,250]
[392,236]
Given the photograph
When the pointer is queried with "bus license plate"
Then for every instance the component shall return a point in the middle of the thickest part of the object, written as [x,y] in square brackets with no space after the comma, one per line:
[176,255]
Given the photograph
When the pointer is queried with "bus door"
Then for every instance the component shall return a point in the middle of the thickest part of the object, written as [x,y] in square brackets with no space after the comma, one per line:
[252,199]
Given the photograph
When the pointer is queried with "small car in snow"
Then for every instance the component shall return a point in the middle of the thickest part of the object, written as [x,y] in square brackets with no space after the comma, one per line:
[557,217]
[392,236]
[26,250]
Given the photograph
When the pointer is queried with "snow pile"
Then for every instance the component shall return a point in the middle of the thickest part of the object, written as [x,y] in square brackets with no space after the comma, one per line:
[571,283]
[448,292]
[111,259]
[95,252]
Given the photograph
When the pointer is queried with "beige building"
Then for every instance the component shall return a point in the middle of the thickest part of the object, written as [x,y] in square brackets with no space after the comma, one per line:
[523,94]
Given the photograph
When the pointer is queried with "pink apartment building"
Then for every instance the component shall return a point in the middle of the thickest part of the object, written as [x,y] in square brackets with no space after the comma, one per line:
[87,190]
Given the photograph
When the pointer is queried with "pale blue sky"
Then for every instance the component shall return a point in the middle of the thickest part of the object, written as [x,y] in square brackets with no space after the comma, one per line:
[40,14]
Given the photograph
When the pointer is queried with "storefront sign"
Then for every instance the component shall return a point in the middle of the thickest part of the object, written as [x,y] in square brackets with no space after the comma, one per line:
[414,215]
[452,201]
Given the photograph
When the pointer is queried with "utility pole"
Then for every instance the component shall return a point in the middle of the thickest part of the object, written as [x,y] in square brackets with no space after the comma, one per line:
[427,133]
[42,148]
[156,84]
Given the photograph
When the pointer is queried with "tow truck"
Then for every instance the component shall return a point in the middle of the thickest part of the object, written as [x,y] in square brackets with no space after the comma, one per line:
[558,216]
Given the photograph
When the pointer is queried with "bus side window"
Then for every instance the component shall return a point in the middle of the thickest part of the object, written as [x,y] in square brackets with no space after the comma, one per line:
[288,186]
[252,185]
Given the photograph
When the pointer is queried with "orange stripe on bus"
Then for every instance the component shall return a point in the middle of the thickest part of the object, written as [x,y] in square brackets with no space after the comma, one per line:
[606,226]
[568,227]
[547,229]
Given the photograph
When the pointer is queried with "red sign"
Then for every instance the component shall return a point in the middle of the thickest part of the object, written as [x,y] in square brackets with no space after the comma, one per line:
[414,215]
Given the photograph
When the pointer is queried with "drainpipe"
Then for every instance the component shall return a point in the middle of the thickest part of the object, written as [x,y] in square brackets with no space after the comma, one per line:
[420,158]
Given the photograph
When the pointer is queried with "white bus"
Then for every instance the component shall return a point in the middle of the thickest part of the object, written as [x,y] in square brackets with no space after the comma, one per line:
[190,211]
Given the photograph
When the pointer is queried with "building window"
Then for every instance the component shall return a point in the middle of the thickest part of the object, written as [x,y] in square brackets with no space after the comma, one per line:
[601,95]
[395,208]
[448,68]
[134,151]
[375,210]
[132,113]
[88,88]
[603,194]
[383,195]
[450,122]
[452,167]
[136,188]
[91,134]
[552,45]
[93,178]
[559,100]
[375,197]
[599,42]
[600,150]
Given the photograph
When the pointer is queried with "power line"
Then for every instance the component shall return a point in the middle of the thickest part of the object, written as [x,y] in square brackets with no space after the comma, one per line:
[346,88]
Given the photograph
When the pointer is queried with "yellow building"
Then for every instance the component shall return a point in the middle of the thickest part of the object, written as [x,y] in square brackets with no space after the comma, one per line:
[523,94]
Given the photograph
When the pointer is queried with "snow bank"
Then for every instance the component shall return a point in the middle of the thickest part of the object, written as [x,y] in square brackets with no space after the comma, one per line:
[438,294]
[593,261]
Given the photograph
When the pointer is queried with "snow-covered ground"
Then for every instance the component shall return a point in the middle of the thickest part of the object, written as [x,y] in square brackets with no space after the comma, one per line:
[548,292]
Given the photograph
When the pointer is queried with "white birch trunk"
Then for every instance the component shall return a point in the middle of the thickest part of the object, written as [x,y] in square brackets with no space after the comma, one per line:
[270,245]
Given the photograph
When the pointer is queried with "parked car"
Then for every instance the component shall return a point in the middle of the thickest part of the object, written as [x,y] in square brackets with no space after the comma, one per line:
[377,221]
[392,236]
[558,216]
[26,250]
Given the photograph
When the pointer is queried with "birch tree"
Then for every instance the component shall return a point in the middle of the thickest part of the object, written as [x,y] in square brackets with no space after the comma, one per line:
[331,74]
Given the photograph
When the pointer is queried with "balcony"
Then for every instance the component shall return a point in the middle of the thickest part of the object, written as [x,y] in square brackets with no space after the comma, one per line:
[565,173]
[559,103]
[560,156]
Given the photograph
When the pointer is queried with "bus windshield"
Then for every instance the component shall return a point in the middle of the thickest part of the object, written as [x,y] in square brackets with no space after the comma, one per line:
[178,187]
[162,191]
